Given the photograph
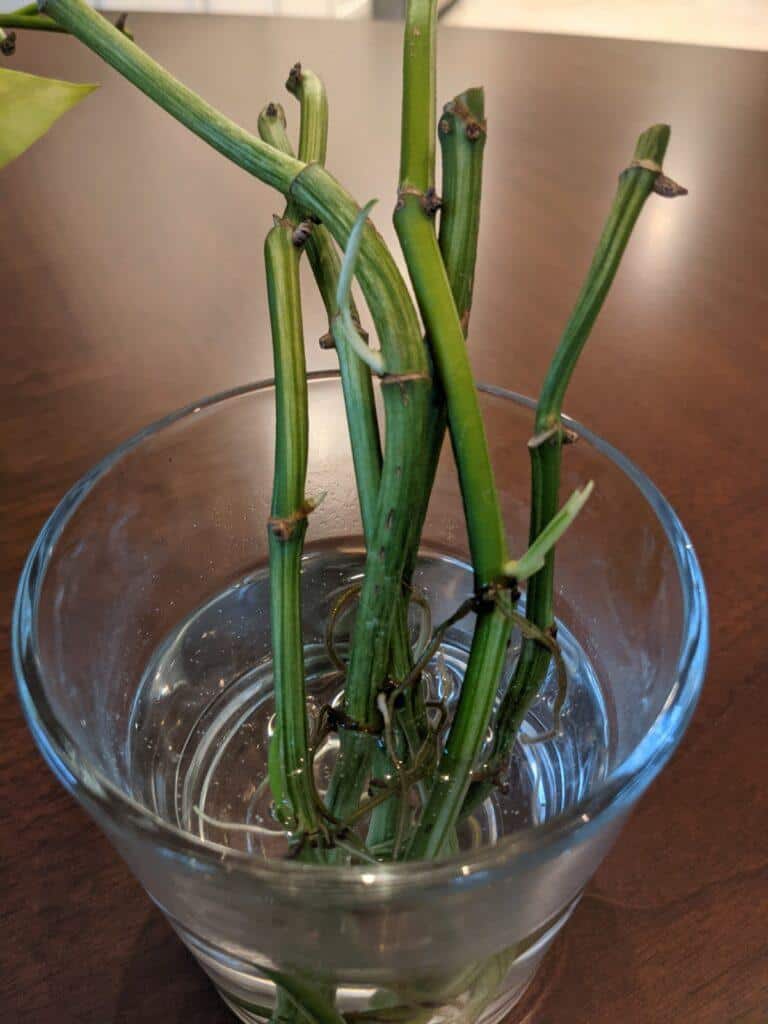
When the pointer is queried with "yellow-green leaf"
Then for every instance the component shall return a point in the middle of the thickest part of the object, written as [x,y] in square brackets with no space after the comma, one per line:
[29,106]
[533,559]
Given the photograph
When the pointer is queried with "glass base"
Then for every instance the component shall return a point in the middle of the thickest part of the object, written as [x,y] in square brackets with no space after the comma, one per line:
[498,1011]
[494,988]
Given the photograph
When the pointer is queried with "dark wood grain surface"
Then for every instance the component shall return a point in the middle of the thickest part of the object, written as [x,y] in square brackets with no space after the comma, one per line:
[131,270]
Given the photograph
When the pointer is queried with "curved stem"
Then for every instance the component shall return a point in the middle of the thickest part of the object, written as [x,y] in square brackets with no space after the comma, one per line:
[433,292]
[405,409]
[398,329]
[322,196]
[291,762]
[462,137]
[481,505]
[33,22]
[417,170]
[328,271]
[462,148]
[248,152]
[356,380]
[635,185]
[462,178]
[29,18]
[459,225]
[272,129]
[290,759]
[355,377]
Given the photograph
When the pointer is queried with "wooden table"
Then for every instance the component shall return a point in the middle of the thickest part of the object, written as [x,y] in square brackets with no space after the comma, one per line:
[132,283]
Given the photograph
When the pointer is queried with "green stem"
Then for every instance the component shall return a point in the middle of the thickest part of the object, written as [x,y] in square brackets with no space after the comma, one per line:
[405,410]
[248,152]
[417,162]
[459,226]
[309,90]
[291,768]
[286,1011]
[462,134]
[460,216]
[397,327]
[326,264]
[481,505]
[288,526]
[462,137]
[384,818]
[311,999]
[417,154]
[272,129]
[433,292]
[355,376]
[32,19]
[36,23]
[635,185]
[356,385]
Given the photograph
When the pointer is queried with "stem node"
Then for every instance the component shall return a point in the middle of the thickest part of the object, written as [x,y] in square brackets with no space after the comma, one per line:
[667,188]
[301,234]
[295,76]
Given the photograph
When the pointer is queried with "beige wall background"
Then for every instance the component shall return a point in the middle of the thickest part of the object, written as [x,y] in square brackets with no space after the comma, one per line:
[733,23]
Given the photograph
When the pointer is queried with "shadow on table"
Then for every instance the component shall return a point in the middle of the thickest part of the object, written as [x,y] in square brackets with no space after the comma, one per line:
[162,982]
[597,929]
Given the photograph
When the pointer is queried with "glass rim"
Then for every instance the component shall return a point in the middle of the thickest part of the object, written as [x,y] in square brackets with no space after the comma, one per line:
[624,782]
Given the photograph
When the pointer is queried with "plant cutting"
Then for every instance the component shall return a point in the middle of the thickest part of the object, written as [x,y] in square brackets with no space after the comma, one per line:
[321,805]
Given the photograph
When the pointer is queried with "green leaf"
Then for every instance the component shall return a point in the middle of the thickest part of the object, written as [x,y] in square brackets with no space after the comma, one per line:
[29,106]
[533,559]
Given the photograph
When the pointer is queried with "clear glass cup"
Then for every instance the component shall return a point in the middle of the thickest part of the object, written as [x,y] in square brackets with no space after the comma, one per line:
[141,649]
